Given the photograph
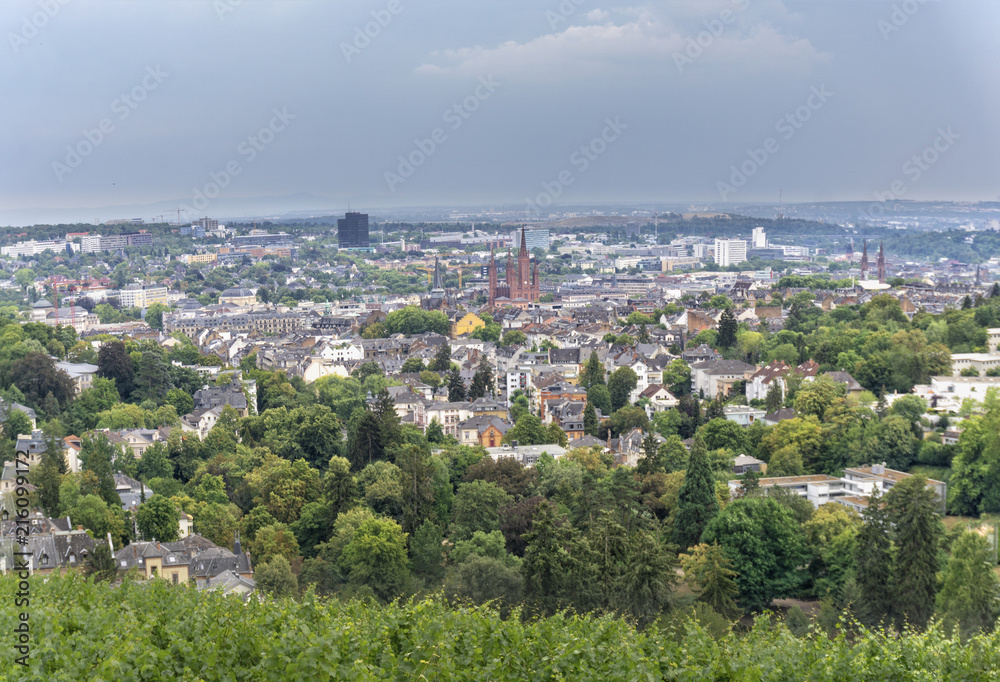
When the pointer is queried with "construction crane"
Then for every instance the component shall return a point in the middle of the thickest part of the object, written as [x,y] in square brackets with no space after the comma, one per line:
[72,286]
[430,271]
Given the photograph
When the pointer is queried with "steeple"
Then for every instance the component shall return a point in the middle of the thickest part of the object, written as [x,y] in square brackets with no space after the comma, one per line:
[881,262]
[523,253]
[438,283]
[864,261]
[979,276]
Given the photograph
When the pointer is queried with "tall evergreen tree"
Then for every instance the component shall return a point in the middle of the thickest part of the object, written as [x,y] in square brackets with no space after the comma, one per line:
[385,411]
[970,591]
[593,372]
[727,329]
[649,463]
[917,530]
[874,564]
[456,387]
[774,398]
[590,422]
[96,454]
[418,486]
[696,501]
[442,359]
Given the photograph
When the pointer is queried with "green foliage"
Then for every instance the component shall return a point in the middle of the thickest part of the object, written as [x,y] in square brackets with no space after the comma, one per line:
[969,599]
[621,383]
[696,502]
[275,577]
[157,519]
[765,545]
[917,530]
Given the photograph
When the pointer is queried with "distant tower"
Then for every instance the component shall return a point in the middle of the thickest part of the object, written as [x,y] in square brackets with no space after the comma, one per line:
[979,277]
[850,250]
[864,261]
[438,280]
[881,263]
[493,278]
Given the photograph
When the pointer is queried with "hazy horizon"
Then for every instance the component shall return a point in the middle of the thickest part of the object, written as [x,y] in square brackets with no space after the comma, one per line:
[211,104]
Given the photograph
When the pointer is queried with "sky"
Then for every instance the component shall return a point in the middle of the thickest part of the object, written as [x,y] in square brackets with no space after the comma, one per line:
[147,105]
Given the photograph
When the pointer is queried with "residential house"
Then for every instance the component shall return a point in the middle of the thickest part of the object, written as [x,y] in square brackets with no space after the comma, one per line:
[82,374]
[761,381]
[660,399]
[745,463]
[448,415]
[153,560]
[485,430]
[743,414]
[464,323]
[713,378]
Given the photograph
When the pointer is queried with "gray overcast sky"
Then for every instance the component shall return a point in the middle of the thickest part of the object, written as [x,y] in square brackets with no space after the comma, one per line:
[210,74]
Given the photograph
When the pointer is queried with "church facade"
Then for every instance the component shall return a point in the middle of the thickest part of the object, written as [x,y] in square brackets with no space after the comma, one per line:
[522,285]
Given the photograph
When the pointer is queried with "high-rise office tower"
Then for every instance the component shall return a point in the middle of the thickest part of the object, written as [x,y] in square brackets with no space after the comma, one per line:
[352,231]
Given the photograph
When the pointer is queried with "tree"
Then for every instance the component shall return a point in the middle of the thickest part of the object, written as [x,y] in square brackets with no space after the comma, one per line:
[275,577]
[152,376]
[558,570]
[96,455]
[37,377]
[763,541]
[969,599]
[593,372]
[727,329]
[775,397]
[456,387]
[528,430]
[181,400]
[815,397]
[154,315]
[513,337]
[599,396]
[376,557]
[477,507]
[101,564]
[417,486]
[157,519]
[712,574]
[481,579]
[482,381]
[427,551]
[590,422]
[413,365]
[434,433]
[677,377]
[913,513]
[696,502]
[621,383]
[113,362]
[442,359]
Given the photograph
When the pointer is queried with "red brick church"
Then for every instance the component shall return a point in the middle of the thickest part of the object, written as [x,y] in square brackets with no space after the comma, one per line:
[522,286]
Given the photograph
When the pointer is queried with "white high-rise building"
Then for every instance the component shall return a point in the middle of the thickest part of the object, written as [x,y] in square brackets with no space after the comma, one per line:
[759,238]
[730,251]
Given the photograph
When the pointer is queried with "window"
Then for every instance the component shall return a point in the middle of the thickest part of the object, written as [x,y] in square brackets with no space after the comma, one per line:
[72,558]
[174,577]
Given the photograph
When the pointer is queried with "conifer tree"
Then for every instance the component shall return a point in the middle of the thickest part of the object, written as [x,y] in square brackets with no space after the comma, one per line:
[590,423]
[727,329]
[696,501]
[913,511]
[456,387]
[593,372]
[442,360]
[774,398]
[874,564]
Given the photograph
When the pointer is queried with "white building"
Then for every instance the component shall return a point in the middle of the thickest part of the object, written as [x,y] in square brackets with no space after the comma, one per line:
[136,296]
[730,251]
[759,239]
[33,248]
[981,362]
